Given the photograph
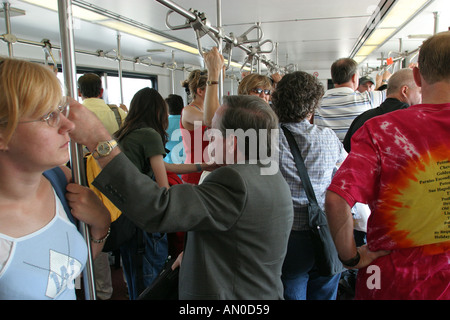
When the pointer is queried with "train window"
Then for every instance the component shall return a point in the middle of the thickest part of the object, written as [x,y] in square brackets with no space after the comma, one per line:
[130,85]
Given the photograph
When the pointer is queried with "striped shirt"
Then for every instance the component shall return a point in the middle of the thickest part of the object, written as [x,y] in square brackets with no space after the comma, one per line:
[322,152]
[340,106]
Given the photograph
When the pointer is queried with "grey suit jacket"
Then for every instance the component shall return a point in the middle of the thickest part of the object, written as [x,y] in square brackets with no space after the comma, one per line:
[238,220]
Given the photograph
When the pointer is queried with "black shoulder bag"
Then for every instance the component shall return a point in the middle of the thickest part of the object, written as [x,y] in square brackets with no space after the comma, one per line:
[327,260]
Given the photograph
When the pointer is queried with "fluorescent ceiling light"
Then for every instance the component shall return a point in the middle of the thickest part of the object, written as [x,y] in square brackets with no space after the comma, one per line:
[236,65]
[77,12]
[379,36]
[49,4]
[105,21]
[396,17]
[124,27]
[401,12]
[87,15]
[359,59]
[181,46]
[366,50]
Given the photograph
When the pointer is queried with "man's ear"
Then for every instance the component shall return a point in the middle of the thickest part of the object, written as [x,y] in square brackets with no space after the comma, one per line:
[404,90]
[417,76]
[231,149]
[231,144]
[355,81]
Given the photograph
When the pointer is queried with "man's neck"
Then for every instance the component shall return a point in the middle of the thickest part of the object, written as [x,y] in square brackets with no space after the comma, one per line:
[345,85]
[437,93]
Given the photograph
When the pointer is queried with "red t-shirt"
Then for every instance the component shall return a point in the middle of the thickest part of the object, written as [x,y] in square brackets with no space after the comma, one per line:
[400,167]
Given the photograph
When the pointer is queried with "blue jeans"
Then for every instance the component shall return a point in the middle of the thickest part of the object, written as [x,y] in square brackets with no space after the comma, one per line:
[155,253]
[299,274]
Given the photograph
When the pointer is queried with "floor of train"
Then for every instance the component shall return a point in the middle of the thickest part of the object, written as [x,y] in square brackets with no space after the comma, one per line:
[120,291]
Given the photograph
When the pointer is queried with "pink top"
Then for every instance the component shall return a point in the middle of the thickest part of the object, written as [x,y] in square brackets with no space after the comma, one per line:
[195,152]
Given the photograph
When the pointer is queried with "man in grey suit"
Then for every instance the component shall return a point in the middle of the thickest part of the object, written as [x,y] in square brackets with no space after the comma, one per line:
[238,220]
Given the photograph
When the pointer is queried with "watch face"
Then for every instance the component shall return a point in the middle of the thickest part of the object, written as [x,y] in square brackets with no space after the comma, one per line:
[104,148]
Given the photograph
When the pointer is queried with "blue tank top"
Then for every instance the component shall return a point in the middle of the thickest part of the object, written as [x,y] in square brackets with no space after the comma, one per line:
[44,264]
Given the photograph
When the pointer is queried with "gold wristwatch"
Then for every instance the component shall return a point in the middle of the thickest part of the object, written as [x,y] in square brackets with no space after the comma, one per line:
[104,148]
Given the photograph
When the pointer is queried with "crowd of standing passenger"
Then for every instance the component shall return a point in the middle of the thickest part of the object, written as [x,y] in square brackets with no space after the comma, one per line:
[377,158]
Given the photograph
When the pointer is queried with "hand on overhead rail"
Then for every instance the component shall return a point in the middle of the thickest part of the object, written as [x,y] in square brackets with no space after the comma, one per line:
[214,63]
[413,65]
[382,79]
[276,77]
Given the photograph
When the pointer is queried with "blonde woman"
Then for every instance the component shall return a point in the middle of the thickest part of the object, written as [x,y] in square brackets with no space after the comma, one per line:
[41,251]
[256,85]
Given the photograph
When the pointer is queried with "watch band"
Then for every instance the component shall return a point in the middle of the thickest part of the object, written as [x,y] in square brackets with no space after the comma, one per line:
[112,144]
[210,83]
[353,261]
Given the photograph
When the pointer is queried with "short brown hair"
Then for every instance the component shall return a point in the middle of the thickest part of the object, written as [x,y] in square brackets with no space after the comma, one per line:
[90,85]
[249,113]
[342,70]
[434,58]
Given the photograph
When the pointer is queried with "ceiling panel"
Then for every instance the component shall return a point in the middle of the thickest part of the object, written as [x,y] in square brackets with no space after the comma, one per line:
[310,34]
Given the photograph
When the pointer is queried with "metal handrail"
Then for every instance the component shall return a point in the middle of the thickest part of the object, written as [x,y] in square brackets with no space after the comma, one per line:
[198,21]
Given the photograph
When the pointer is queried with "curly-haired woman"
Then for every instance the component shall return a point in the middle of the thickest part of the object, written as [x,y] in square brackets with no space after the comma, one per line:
[296,98]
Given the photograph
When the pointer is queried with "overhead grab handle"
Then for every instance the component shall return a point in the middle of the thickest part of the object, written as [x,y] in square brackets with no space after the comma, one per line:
[179,27]
[259,51]
[145,60]
[228,50]
[200,24]
[244,39]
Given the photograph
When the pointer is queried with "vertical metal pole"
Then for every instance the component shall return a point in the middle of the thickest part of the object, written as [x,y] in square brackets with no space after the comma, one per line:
[276,53]
[436,22]
[172,73]
[76,150]
[219,26]
[119,57]
[7,11]
[105,88]
[258,59]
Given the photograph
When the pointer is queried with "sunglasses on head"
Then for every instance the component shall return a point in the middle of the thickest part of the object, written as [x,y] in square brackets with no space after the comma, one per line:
[259,90]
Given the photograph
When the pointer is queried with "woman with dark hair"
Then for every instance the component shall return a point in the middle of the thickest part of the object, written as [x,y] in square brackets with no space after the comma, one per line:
[175,144]
[294,101]
[142,138]
[143,134]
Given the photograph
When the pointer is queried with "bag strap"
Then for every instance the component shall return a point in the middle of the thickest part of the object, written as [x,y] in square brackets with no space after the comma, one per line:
[115,109]
[59,182]
[300,166]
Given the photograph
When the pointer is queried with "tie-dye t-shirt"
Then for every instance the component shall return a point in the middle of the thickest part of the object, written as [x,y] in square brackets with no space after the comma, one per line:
[400,166]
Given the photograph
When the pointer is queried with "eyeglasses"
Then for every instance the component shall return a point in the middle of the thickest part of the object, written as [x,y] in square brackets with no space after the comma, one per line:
[259,90]
[53,118]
